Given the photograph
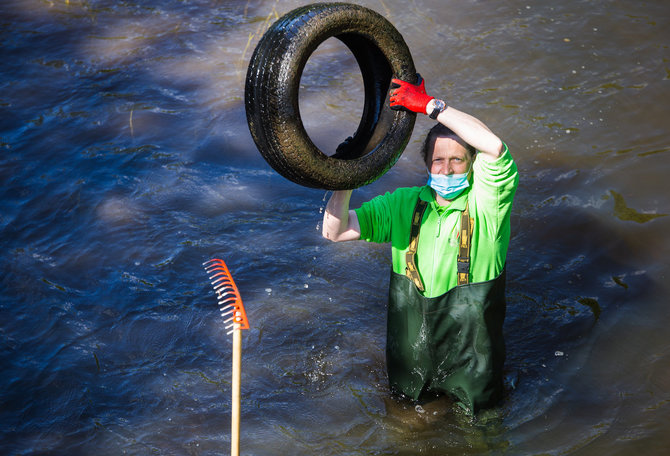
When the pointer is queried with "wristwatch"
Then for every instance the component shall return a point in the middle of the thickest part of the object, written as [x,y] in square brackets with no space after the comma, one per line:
[438,107]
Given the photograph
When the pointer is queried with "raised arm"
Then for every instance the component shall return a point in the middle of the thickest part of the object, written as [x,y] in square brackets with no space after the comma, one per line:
[469,129]
[339,222]
[413,97]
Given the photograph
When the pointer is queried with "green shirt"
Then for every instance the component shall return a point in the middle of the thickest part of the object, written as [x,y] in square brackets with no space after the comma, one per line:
[387,218]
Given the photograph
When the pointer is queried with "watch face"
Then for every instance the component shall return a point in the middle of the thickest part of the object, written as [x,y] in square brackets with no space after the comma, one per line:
[438,107]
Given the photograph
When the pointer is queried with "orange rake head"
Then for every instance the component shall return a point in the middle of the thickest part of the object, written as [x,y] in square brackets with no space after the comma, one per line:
[228,295]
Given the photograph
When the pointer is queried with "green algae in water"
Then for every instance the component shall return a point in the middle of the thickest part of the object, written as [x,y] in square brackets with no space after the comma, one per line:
[592,304]
[623,212]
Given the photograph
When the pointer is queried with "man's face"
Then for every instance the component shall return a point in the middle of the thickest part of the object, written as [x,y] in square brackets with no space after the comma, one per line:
[449,156]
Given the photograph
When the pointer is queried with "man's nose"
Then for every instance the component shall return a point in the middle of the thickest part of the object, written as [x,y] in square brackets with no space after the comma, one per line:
[445,169]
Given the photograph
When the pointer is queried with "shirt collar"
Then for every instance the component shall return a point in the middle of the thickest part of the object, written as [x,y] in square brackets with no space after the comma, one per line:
[457,204]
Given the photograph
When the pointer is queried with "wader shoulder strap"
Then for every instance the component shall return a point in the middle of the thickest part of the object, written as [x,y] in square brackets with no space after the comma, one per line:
[411,270]
[463,261]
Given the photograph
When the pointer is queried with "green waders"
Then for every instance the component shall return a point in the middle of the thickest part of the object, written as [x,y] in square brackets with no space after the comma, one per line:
[451,343]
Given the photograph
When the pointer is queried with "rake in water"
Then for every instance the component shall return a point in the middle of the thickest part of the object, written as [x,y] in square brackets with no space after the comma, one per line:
[230,304]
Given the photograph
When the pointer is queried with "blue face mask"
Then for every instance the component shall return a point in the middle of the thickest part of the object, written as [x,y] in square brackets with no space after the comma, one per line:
[449,186]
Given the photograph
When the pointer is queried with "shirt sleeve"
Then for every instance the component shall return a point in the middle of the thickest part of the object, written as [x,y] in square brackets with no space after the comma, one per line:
[374,219]
[494,186]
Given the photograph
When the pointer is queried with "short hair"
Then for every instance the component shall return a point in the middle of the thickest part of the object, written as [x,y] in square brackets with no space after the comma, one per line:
[440,130]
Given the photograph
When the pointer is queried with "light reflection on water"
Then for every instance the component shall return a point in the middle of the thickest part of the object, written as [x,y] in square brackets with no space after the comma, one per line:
[126,162]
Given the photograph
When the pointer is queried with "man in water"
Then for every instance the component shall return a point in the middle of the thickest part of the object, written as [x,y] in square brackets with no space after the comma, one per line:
[449,242]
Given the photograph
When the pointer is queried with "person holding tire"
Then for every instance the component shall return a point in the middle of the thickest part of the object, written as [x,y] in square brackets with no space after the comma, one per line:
[449,242]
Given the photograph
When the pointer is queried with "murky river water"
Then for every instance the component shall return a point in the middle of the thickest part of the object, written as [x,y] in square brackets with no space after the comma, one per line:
[126,162]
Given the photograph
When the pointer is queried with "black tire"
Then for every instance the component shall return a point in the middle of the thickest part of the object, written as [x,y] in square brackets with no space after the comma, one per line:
[272,85]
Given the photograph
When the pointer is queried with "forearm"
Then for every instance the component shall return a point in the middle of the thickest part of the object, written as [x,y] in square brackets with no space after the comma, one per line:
[471,130]
[340,223]
[413,97]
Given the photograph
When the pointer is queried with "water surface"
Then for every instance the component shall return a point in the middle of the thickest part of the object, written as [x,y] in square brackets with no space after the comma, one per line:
[126,162]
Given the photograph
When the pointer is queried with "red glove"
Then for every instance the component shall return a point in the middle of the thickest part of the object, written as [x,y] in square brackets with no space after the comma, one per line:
[409,97]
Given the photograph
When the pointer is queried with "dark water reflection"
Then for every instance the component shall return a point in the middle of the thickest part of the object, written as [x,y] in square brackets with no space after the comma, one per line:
[126,162]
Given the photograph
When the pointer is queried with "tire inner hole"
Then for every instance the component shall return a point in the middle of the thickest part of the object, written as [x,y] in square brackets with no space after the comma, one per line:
[332,96]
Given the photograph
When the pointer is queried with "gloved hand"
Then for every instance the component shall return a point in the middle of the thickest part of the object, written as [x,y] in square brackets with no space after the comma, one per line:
[409,97]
